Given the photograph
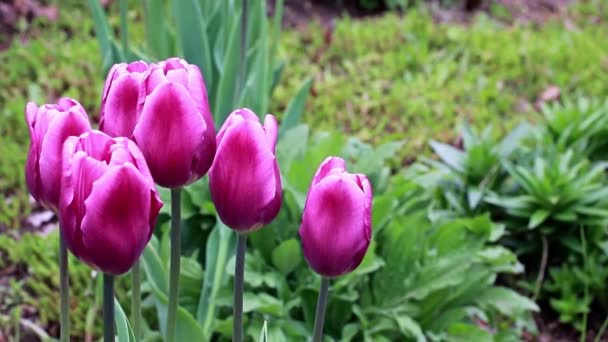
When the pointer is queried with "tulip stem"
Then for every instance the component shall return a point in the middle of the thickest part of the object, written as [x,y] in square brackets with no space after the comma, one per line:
[64,290]
[136,300]
[175,259]
[239,272]
[108,307]
[321,305]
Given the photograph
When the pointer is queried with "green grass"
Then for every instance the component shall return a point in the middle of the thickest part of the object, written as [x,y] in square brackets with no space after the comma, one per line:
[406,78]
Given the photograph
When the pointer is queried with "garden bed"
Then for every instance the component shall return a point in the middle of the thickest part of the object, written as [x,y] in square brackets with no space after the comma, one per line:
[412,89]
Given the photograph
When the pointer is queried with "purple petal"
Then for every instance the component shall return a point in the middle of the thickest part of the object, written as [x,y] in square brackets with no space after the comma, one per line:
[242,179]
[169,132]
[333,233]
[116,226]
[119,109]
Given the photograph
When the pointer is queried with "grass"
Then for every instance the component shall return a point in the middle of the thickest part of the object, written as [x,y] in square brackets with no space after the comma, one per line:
[407,78]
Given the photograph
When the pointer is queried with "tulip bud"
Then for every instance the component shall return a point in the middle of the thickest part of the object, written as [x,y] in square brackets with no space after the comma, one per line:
[336,225]
[50,125]
[244,181]
[109,204]
[175,129]
[118,112]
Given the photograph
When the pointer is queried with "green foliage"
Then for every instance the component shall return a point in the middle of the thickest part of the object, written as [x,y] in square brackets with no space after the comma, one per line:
[240,71]
[466,176]
[549,189]
[414,271]
[33,260]
[393,76]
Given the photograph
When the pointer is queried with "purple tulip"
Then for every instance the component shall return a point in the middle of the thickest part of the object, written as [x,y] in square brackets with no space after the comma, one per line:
[50,125]
[336,225]
[175,131]
[245,181]
[109,203]
[164,108]
[119,102]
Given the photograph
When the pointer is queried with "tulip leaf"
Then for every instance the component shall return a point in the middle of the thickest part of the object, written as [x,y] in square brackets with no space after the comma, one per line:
[123,328]
[287,256]
[156,30]
[295,108]
[103,34]
[153,267]
[227,86]
[219,248]
[192,35]
[186,327]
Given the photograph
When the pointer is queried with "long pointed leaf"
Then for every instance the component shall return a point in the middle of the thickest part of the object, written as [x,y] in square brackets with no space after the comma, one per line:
[295,108]
[193,36]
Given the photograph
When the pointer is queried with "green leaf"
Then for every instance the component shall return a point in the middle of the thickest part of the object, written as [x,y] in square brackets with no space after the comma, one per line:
[409,327]
[228,82]
[453,157]
[539,216]
[157,38]
[295,108]
[156,274]
[264,332]
[220,245]
[192,35]
[123,328]
[186,327]
[103,34]
[287,256]
[506,301]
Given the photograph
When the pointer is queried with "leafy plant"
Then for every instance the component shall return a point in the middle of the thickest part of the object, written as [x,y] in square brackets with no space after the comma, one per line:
[581,124]
[463,178]
[558,188]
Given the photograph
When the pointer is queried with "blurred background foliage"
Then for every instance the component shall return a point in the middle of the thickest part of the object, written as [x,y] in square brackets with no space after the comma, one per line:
[514,199]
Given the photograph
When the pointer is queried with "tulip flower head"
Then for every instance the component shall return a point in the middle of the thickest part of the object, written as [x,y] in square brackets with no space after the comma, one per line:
[109,202]
[244,181]
[336,225]
[118,112]
[164,108]
[50,125]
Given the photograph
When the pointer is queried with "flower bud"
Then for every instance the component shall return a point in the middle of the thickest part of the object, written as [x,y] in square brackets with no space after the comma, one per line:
[336,225]
[245,181]
[109,203]
[50,125]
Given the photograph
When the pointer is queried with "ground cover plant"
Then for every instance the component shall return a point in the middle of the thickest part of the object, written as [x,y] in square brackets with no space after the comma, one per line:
[421,80]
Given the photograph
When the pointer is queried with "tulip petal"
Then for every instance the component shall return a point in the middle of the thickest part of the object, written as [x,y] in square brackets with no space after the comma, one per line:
[271,128]
[117,213]
[332,231]
[169,132]
[62,126]
[241,179]
[329,164]
[79,173]
[119,111]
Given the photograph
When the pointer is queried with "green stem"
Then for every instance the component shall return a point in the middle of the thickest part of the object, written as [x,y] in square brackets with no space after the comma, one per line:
[175,259]
[124,33]
[321,305]
[239,272]
[136,300]
[108,307]
[64,290]
[600,332]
